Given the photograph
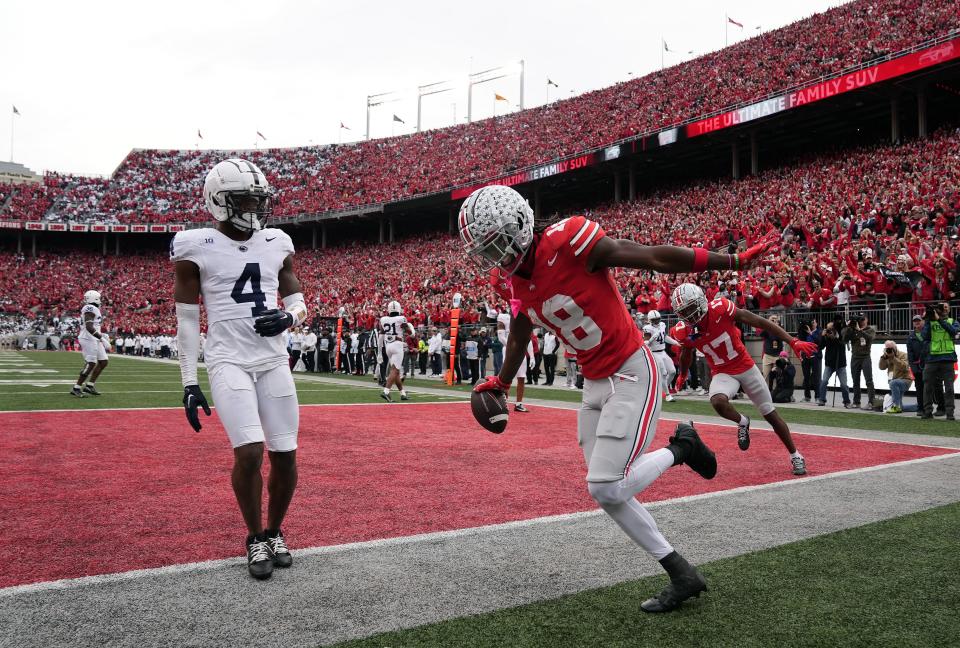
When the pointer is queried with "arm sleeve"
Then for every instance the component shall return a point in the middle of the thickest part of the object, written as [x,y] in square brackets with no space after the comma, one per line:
[188,341]
[295,305]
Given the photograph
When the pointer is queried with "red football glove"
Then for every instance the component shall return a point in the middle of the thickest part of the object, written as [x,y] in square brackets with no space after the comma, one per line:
[756,252]
[803,349]
[681,379]
[492,383]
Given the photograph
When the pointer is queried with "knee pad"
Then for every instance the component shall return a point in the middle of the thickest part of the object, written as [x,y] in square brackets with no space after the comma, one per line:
[765,408]
[607,493]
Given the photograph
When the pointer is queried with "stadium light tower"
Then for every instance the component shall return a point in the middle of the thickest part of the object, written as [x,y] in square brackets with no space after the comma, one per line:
[378,100]
[431,89]
[492,75]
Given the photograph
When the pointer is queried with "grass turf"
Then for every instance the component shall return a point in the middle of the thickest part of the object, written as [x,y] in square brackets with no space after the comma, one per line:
[890,583]
[826,417]
[130,382]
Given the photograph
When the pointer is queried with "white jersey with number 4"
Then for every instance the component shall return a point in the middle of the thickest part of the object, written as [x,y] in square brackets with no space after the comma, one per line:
[657,341]
[97,319]
[239,280]
[394,327]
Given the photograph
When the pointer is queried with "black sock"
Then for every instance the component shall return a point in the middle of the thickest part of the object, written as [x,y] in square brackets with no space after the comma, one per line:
[271,533]
[675,564]
[679,454]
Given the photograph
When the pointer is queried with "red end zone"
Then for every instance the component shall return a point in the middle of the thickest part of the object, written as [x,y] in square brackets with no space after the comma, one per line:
[108,491]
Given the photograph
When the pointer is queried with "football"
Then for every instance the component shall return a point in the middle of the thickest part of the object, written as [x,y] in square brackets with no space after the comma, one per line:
[490,409]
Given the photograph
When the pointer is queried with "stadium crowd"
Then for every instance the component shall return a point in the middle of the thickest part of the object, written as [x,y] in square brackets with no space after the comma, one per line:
[162,186]
[858,226]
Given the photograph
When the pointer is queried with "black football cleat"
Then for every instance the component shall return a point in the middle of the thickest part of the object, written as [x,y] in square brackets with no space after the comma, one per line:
[91,390]
[259,563]
[743,435]
[76,391]
[404,397]
[679,589]
[277,548]
[693,451]
[386,397]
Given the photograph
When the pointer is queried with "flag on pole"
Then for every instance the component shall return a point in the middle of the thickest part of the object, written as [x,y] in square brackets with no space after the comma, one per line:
[665,48]
[551,83]
[198,134]
[15,111]
[261,136]
[499,97]
[344,126]
[734,22]
[397,119]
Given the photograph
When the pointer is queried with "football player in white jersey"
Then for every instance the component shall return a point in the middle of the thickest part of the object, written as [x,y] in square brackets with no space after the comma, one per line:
[239,267]
[91,345]
[393,327]
[655,335]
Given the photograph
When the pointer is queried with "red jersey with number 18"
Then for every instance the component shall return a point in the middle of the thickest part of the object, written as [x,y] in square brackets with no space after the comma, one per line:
[717,337]
[584,309]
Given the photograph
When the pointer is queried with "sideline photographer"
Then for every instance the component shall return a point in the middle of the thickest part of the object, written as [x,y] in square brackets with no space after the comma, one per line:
[834,362]
[895,363]
[938,332]
[859,335]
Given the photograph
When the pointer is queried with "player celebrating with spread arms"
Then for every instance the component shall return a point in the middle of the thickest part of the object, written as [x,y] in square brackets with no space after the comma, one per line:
[239,268]
[712,328]
[560,280]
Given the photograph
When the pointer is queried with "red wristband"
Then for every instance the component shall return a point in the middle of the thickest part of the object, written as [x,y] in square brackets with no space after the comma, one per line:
[700,256]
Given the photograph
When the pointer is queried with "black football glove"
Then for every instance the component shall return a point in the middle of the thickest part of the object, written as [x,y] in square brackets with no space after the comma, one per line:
[273,322]
[193,398]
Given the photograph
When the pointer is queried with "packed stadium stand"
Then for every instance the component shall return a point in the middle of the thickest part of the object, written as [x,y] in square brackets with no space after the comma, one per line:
[871,223]
[867,220]
[156,186]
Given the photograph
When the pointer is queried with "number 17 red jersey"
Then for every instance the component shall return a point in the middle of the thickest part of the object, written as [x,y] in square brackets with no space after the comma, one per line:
[584,309]
[717,337]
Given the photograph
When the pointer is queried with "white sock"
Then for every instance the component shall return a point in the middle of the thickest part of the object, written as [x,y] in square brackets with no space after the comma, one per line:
[77,386]
[795,455]
[91,384]
[744,420]
[403,392]
[386,391]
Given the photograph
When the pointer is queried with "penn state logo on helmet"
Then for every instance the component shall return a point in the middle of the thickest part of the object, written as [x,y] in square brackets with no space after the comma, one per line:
[237,192]
[689,302]
[393,308]
[496,227]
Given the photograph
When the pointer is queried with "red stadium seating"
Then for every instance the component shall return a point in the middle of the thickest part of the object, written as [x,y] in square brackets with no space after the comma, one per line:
[900,202]
[164,186]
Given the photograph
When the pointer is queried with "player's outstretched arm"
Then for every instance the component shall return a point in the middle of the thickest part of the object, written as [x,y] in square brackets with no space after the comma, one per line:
[802,349]
[294,312]
[186,294]
[514,352]
[624,253]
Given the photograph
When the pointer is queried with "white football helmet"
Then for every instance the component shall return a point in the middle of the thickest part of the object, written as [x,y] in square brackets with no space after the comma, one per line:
[496,226]
[393,308]
[654,317]
[689,302]
[92,297]
[236,191]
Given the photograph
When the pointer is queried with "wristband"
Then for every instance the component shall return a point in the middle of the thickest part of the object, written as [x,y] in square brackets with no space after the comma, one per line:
[700,257]
[295,305]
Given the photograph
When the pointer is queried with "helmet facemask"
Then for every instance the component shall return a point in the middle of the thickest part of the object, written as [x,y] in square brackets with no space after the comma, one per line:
[689,303]
[500,248]
[248,211]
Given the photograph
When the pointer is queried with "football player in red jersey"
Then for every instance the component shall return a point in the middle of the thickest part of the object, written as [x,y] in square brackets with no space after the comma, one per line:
[559,278]
[711,327]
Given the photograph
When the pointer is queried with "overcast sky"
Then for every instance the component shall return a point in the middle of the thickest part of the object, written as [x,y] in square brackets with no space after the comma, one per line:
[94,79]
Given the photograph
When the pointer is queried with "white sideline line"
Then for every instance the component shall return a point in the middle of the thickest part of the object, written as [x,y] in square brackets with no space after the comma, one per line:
[435,536]
[177,407]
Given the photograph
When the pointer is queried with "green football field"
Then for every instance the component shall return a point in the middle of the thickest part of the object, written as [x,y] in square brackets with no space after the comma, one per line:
[890,583]
[41,380]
